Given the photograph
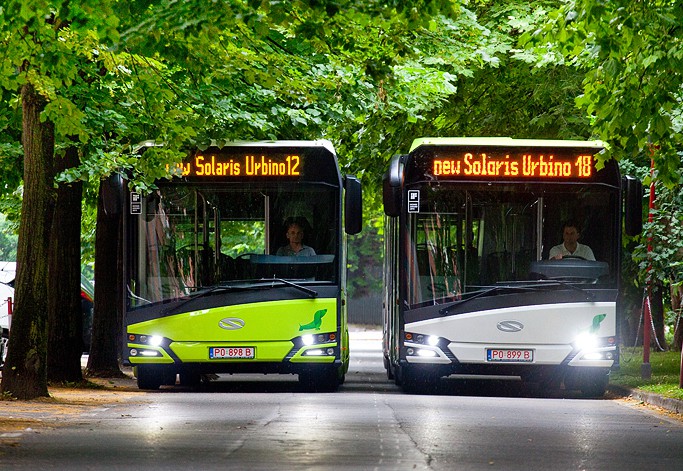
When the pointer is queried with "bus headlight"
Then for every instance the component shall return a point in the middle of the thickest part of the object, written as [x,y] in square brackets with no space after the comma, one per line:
[431,340]
[151,340]
[317,339]
[591,348]
[585,341]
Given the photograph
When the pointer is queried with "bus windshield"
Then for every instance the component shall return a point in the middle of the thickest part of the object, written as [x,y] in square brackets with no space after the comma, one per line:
[190,237]
[466,238]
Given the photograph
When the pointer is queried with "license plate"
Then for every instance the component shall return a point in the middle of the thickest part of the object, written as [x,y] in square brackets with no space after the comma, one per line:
[512,355]
[218,353]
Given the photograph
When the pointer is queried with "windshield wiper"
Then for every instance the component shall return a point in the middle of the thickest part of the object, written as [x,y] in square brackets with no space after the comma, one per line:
[445,310]
[206,290]
[311,293]
[517,286]
[589,296]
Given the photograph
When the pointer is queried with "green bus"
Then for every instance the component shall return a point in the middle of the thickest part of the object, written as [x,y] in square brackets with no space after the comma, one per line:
[206,292]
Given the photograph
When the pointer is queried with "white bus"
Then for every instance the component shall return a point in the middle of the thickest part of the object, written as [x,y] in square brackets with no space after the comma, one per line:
[470,288]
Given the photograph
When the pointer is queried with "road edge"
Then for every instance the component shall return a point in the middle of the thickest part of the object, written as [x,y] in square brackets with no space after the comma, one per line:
[668,403]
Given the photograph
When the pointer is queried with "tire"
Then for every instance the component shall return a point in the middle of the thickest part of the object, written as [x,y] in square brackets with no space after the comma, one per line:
[320,380]
[152,377]
[592,382]
[419,382]
[545,383]
[190,379]
[595,384]
[387,366]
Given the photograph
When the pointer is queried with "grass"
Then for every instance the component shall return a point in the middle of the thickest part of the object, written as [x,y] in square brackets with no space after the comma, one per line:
[665,367]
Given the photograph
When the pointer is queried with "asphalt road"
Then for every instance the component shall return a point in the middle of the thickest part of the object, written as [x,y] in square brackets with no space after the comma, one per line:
[268,423]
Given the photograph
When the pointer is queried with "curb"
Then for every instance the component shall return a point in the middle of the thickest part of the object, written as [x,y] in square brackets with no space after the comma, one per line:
[668,403]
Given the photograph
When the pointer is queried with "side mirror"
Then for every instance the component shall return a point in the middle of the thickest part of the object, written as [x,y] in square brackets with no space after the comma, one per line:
[353,205]
[633,205]
[392,187]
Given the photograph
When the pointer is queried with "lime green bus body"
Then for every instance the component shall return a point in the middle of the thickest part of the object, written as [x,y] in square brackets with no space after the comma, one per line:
[190,335]
[207,290]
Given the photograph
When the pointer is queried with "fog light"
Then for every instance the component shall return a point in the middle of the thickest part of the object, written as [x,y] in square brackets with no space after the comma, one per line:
[426,353]
[410,351]
[330,351]
[133,352]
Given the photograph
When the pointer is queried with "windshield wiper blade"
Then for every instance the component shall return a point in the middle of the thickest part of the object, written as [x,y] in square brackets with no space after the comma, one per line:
[522,286]
[589,296]
[445,310]
[206,290]
[311,293]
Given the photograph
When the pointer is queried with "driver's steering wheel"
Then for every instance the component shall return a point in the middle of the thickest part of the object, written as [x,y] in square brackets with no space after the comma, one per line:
[572,257]
[244,256]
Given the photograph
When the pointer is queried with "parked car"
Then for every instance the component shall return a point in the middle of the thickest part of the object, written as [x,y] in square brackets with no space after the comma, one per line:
[7,275]
[7,271]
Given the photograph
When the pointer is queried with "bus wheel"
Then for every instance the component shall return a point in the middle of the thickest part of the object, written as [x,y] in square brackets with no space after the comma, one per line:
[326,380]
[387,366]
[591,381]
[152,377]
[418,382]
[594,384]
[190,379]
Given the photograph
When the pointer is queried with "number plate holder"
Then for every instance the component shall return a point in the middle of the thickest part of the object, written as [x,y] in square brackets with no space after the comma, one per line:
[229,353]
[510,355]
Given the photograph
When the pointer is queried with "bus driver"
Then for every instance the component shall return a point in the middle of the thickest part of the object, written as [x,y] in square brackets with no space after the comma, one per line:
[570,245]
[296,247]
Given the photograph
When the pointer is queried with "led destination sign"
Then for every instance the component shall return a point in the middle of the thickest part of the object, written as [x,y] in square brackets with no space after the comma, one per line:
[525,165]
[241,166]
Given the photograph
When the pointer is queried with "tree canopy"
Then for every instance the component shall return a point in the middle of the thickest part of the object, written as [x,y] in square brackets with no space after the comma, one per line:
[632,56]
[370,75]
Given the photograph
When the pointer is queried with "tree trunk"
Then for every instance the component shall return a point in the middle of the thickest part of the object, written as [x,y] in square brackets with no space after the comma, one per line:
[630,325]
[107,319]
[25,372]
[65,317]
[657,311]
[677,306]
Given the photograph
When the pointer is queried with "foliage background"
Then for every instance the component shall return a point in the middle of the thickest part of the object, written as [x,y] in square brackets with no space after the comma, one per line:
[369,75]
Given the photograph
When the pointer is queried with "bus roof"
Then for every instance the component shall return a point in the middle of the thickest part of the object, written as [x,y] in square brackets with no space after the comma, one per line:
[273,143]
[502,142]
